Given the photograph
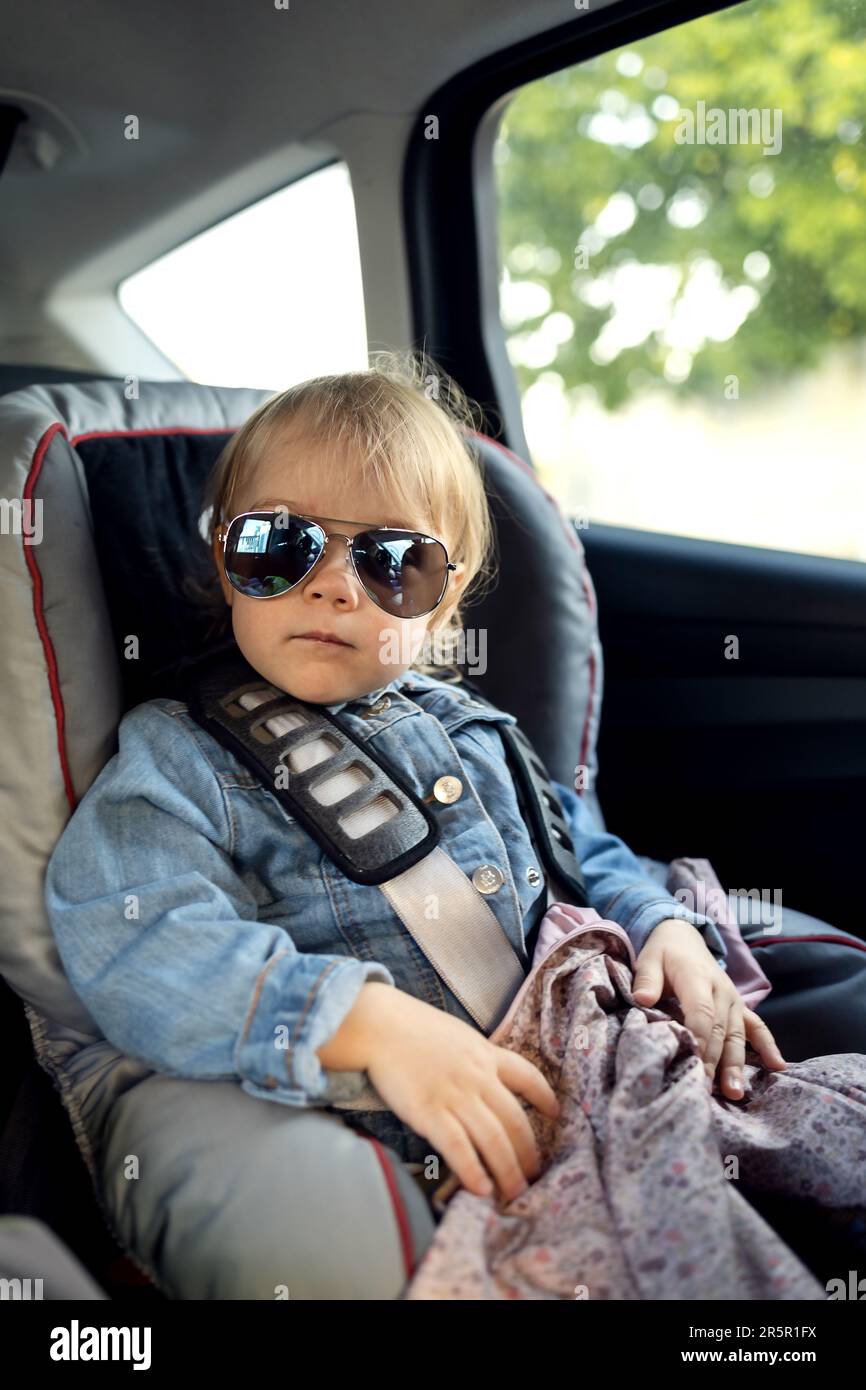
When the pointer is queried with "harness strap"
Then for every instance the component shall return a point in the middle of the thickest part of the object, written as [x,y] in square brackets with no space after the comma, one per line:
[547,829]
[464,942]
[303,754]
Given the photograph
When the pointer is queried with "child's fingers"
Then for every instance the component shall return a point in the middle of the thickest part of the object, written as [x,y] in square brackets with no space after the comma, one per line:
[701,1015]
[733,1057]
[762,1040]
[489,1135]
[449,1137]
[648,981]
[523,1076]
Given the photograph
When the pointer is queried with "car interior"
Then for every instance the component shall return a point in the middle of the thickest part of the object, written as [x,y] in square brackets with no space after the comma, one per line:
[129,134]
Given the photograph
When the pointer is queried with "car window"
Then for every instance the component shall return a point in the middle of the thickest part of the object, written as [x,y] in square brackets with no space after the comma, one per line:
[268,297]
[682,278]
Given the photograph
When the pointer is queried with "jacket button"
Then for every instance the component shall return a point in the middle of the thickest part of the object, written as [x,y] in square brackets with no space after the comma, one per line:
[533,877]
[448,789]
[487,878]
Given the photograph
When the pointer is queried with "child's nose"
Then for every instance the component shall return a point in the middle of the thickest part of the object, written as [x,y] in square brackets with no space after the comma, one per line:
[333,570]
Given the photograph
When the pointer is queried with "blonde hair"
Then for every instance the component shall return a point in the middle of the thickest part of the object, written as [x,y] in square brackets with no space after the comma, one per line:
[408,424]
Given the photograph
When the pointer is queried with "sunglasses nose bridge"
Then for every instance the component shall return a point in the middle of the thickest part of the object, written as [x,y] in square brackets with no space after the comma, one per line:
[350,559]
[337,536]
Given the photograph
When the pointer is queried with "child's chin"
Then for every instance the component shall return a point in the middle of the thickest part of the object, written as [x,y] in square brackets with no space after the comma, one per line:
[322,679]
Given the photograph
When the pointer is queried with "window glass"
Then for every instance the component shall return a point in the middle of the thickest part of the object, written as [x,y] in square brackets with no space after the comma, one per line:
[266,298]
[682,232]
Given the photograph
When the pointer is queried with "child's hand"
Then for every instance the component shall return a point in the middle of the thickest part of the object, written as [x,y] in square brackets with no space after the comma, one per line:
[676,959]
[448,1082]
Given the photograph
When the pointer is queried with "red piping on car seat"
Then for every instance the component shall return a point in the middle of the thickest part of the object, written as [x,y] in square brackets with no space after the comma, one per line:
[36,578]
[584,742]
[840,941]
[124,1271]
[399,1209]
[41,626]
[588,591]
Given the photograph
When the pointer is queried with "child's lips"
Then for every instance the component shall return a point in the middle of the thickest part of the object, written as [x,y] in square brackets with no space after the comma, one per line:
[317,641]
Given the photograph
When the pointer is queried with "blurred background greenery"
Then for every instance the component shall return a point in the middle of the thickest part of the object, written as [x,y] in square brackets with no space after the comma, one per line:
[679,310]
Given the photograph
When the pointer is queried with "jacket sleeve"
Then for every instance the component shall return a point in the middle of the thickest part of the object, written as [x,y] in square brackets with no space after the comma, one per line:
[619,888]
[158,932]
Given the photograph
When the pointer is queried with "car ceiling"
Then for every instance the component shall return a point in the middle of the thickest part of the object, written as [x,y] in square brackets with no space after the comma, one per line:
[234,99]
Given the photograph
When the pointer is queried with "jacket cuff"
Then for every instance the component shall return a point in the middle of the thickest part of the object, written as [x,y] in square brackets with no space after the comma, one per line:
[276,1055]
[659,910]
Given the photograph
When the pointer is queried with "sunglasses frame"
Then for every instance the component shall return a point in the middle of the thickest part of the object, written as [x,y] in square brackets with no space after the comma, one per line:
[225,526]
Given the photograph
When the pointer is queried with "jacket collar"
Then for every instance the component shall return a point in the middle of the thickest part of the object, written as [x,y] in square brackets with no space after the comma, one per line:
[409,680]
[364,701]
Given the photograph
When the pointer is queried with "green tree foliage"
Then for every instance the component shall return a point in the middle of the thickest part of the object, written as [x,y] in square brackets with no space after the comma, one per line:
[606,129]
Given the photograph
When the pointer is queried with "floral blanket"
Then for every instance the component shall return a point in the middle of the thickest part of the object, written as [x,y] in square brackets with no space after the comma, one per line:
[639,1194]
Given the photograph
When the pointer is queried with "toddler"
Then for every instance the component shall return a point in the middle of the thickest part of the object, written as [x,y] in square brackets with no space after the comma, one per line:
[211,937]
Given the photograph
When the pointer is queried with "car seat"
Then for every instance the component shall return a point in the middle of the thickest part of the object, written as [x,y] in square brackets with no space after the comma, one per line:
[113,476]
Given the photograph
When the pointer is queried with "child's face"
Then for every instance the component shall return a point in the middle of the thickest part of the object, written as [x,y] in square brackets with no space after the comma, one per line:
[330,598]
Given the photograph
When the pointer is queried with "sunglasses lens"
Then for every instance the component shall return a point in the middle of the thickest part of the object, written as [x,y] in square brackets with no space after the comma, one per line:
[403,571]
[269,553]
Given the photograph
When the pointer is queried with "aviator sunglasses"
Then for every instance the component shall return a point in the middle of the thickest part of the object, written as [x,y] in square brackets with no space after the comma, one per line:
[267,552]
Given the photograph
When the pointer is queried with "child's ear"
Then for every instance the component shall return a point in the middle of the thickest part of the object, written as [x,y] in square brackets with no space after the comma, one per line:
[219,561]
[456,581]
[455,588]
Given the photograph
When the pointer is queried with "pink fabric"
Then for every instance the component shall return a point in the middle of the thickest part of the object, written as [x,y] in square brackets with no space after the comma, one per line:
[697,878]
[638,1195]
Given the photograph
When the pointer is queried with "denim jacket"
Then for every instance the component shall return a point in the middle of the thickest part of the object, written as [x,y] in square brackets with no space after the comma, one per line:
[210,936]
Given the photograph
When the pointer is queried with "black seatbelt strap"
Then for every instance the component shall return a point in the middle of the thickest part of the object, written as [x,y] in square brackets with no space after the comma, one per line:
[213,689]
